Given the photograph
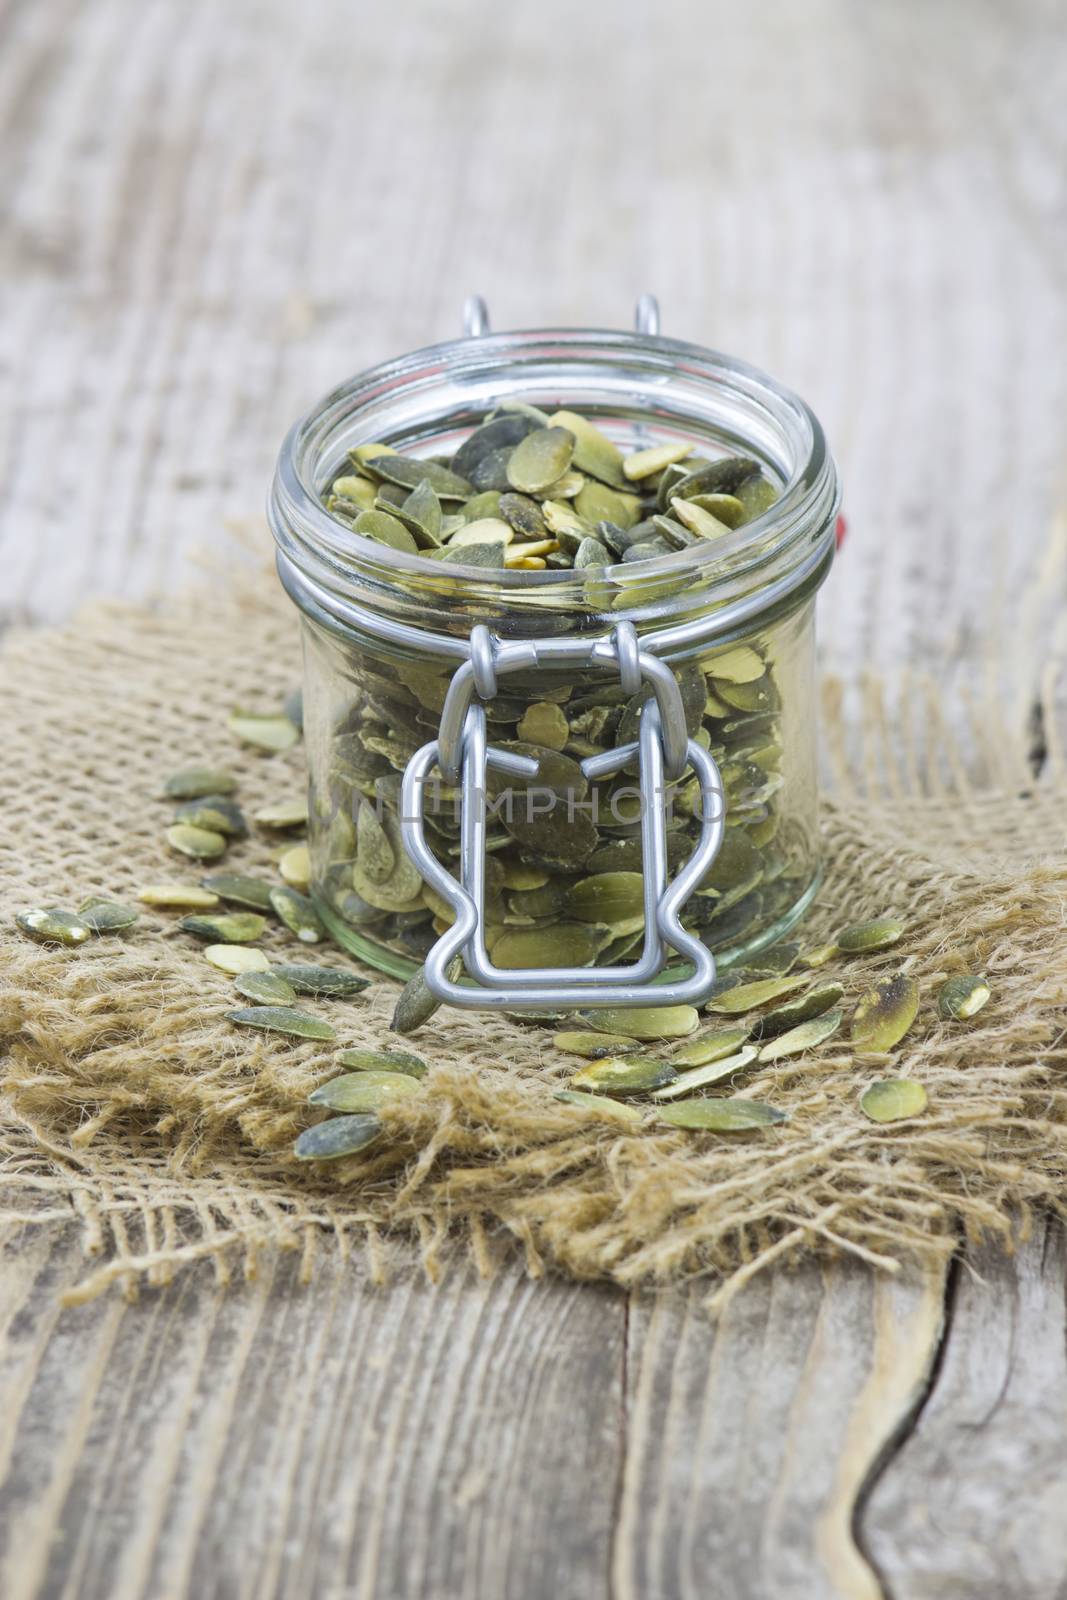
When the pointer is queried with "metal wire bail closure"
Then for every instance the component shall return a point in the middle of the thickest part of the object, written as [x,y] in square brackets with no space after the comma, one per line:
[461,753]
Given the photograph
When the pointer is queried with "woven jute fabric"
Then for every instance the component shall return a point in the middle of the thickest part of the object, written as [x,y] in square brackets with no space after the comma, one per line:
[130,1102]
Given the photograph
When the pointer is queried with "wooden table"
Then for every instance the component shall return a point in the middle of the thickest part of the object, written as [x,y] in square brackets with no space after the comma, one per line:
[214,212]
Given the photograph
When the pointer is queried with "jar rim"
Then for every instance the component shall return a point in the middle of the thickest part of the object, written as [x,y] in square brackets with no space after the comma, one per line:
[666,382]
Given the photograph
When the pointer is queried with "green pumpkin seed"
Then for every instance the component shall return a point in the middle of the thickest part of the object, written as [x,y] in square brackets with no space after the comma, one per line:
[284,814]
[804,1037]
[594,453]
[234,927]
[52,926]
[600,1104]
[878,934]
[545,724]
[748,996]
[817,955]
[522,514]
[698,521]
[960,998]
[299,915]
[805,1008]
[416,1005]
[476,555]
[647,463]
[362,1091]
[885,1013]
[594,1046]
[236,958]
[644,1022]
[709,1048]
[721,1116]
[340,1136]
[624,1075]
[702,1077]
[192,783]
[383,528]
[565,944]
[282,1019]
[591,553]
[177,897]
[595,503]
[264,732]
[200,844]
[237,890]
[421,515]
[263,988]
[741,664]
[327,983]
[540,459]
[725,508]
[107,916]
[487,530]
[295,866]
[214,813]
[409,472]
[501,433]
[608,897]
[383,1061]
[893,1100]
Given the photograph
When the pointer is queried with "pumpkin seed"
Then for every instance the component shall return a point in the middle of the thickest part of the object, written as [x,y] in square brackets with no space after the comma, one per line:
[748,996]
[709,1048]
[878,934]
[177,897]
[714,1072]
[698,521]
[817,955]
[299,915]
[201,844]
[522,514]
[362,1091]
[264,731]
[327,983]
[487,530]
[608,897]
[647,463]
[805,1037]
[107,916]
[383,1061]
[416,1004]
[284,814]
[721,1116]
[594,1046]
[885,1012]
[567,944]
[193,783]
[893,1100]
[409,472]
[960,998]
[295,866]
[263,988]
[624,1075]
[236,958]
[234,927]
[539,459]
[805,1008]
[601,1104]
[739,665]
[644,1022]
[214,813]
[545,724]
[282,1019]
[421,516]
[501,433]
[339,1136]
[52,926]
[593,452]
[237,890]
[476,555]
[383,528]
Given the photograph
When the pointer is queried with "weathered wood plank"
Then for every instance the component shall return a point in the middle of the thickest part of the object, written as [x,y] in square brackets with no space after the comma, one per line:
[747,1444]
[460,1440]
[973,1503]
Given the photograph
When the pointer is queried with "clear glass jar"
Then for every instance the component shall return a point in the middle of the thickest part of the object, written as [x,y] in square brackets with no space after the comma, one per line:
[384,632]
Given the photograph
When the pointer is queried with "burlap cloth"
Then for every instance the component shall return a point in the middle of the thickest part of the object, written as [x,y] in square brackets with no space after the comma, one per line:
[131,1103]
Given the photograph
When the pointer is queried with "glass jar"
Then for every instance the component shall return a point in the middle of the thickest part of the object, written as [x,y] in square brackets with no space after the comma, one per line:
[385,632]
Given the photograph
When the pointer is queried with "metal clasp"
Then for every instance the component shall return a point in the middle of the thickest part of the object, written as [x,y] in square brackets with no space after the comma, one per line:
[462,752]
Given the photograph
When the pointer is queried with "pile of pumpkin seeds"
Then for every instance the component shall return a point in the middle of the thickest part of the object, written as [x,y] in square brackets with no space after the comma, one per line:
[529,490]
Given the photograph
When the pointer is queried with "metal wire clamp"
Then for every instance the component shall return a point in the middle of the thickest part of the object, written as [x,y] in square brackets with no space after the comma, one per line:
[462,753]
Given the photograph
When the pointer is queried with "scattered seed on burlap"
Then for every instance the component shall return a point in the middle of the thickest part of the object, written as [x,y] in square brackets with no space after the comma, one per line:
[743,997]
[299,914]
[264,988]
[264,731]
[283,814]
[893,1100]
[107,916]
[215,813]
[193,782]
[295,867]
[624,1075]
[601,1104]
[199,844]
[228,927]
[339,1136]
[885,1012]
[367,1090]
[235,958]
[644,1022]
[594,1046]
[283,1019]
[803,1009]
[383,1061]
[866,937]
[805,1037]
[720,1116]
[961,998]
[252,894]
[709,1047]
[53,926]
[326,983]
[702,1077]
[177,897]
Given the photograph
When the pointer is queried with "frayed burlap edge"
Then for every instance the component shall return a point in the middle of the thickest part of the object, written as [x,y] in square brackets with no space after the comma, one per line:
[134,1106]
